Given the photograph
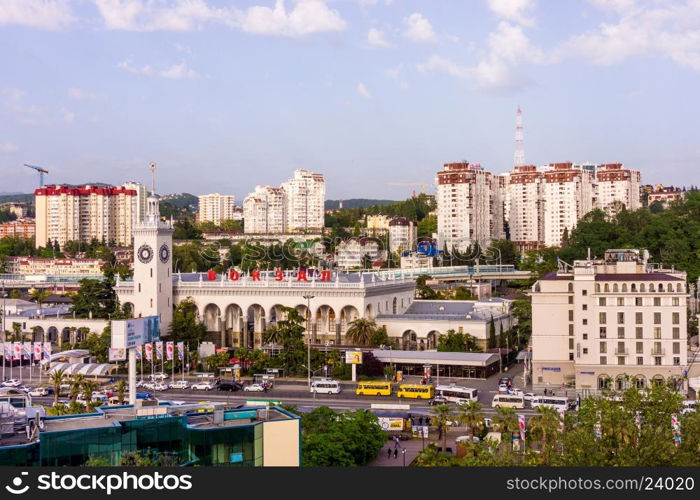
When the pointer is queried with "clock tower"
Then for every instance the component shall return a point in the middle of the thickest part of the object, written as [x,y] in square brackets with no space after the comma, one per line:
[153,281]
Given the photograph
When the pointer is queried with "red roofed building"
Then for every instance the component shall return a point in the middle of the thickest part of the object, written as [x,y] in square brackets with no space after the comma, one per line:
[81,213]
[22,228]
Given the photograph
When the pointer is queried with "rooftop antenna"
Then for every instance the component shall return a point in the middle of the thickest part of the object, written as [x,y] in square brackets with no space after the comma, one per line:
[153,168]
[519,156]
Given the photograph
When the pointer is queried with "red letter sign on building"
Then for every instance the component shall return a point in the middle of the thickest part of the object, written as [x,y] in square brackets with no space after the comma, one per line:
[325,275]
[279,275]
[302,275]
[233,275]
[211,275]
[255,275]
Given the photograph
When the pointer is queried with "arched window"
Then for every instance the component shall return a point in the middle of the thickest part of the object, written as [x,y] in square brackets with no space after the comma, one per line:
[537,287]
[607,287]
[615,288]
[597,288]
[624,287]
[652,288]
[640,382]
[657,381]
[679,288]
[393,306]
[642,288]
[633,287]
[604,382]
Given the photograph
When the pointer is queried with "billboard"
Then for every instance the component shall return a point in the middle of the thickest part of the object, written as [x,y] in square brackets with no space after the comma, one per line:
[134,332]
[117,354]
[391,423]
[353,357]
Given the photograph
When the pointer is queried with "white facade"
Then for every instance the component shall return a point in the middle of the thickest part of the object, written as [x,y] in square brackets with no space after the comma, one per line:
[265,211]
[617,186]
[525,190]
[470,206]
[140,203]
[53,267]
[216,208]
[305,195]
[403,234]
[349,253]
[568,196]
[81,213]
[616,320]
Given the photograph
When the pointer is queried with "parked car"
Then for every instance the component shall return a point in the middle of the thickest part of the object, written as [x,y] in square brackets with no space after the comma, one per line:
[24,388]
[437,400]
[230,386]
[503,389]
[159,386]
[159,376]
[203,386]
[38,392]
[144,395]
[254,388]
[13,382]
[179,384]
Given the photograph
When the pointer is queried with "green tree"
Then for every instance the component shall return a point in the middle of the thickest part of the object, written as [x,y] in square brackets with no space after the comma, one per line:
[361,331]
[492,334]
[89,387]
[121,391]
[441,415]
[470,414]
[98,345]
[39,295]
[545,424]
[457,342]
[56,378]
[95,297]
[186,326]
[507,421]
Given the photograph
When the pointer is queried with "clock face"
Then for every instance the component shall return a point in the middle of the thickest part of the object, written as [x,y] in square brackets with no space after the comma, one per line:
[145,254]
[164,253]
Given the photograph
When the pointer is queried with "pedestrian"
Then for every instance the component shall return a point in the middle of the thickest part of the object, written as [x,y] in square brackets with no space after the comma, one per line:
[388,452]
[396,453]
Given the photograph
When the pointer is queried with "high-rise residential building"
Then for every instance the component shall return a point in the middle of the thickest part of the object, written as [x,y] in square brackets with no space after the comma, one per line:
[306,196]
[611,323]
[568,196]
[265,211]
[81,213]
[616,187]
[352,252]
[470,206]
[402,234]
[216,208]
[141,197]
[526,207]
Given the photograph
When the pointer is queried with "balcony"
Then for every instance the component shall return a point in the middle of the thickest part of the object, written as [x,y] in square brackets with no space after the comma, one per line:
[622,352]
[658,351]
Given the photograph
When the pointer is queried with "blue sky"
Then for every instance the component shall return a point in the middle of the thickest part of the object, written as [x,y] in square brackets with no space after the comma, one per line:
[227,94]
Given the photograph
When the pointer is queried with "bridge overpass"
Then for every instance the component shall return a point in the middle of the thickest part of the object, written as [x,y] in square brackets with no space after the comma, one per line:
[460,273]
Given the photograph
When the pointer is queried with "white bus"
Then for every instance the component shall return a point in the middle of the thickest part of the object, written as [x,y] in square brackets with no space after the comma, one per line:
[325,386]
[457,393]
[508,401]
[556,402]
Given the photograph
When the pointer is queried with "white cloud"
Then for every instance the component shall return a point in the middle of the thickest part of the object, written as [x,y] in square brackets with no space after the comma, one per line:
[419,29]
[362,90]
[42,14]
[671,30]
[305,18]
[81,95]
[514,10]
[68,116]
[8,148]
[396,73]
[376,38]
[439,64]
[128,65]
[372,3]
[179,72]
[151,15]
[615,5]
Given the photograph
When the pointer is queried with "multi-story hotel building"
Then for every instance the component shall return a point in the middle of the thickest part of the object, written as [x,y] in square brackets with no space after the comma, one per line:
[141,196]
[265,211]
[216,208]
[617,186]
[54,267]
[609,323]
[526,207]
[305,195]
[470,206]
[81,213]
[402,234]
[21,228]
[351,252]
[568,196]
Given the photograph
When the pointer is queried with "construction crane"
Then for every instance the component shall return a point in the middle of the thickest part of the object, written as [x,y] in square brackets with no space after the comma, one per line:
[421,185]
[41,171]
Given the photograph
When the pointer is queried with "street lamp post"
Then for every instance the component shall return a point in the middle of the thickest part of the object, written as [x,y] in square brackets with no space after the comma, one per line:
[308,298]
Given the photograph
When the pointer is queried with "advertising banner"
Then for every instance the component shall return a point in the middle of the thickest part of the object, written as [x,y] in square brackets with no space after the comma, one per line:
[391,423]
[353,357]
[138,352]
[149,351]
[38,349]
[17,350]
[117,354]
[169,346]
[26,350]
[159,350]
[133,332]
[47,350]
[181,351]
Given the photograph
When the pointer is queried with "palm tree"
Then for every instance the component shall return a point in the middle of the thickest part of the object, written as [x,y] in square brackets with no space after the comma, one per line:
[272,335]
[442,414]
[56,379]
[546,422]
[471,416]
[121,390]
[360,331]
[507,421]
[75,386]
[89,387]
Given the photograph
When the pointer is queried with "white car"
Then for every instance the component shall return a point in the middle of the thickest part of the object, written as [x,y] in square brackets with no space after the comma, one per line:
[528,396]
[159,386]
[254,388]
[180,384]
[203,386]
[24,388]
[503,389]
[38,392]
[159,376]
[13,382]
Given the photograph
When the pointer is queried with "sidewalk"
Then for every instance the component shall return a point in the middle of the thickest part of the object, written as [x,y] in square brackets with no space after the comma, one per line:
[412,446]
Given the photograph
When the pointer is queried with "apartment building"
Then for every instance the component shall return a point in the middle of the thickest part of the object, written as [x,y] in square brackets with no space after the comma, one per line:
[351,252]
[616,187]
[81,213]
[377,223]
[216,208]
[402,234]
[665,195]
[526,207]
[54,267]
[609,323]
[18,209]
[265,211]
[20,228]
[469,206]
[568,196]
[140,203]
[305,195]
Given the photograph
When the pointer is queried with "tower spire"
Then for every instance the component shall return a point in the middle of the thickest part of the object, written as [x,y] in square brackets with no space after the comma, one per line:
[519,156]
[152,166]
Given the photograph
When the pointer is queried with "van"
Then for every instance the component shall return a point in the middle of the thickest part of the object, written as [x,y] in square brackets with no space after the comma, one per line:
[416,391]
[325,386]
[508,401]
[688,406]
[556,402]
[373,389]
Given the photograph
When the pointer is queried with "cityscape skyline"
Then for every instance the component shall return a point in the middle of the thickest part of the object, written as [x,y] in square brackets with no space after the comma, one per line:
[94,92]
